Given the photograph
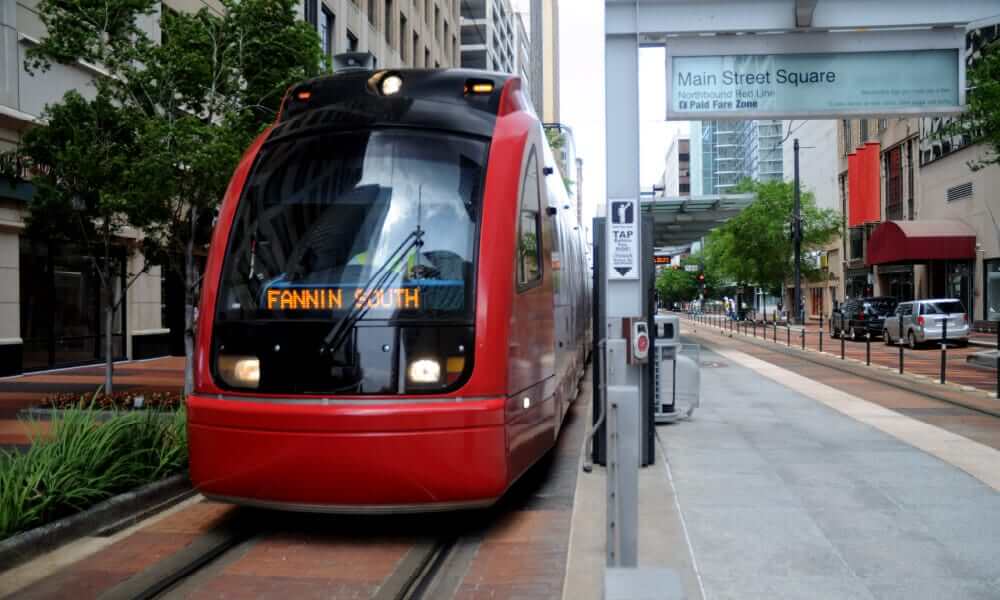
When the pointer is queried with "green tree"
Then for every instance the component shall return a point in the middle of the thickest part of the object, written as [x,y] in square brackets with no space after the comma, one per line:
[675,285]
[755,248]
[981,121]
[78,161]
[191,102]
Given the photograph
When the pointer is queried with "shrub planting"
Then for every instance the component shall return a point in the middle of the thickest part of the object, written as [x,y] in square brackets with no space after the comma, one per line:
[84,460]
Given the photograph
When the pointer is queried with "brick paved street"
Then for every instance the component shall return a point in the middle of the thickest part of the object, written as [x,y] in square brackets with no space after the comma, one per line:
[17,393]
[925,361]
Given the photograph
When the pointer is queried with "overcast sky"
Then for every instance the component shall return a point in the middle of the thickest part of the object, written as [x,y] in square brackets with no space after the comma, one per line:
[581,83]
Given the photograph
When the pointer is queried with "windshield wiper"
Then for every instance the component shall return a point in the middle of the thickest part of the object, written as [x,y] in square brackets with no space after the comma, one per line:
[338,335]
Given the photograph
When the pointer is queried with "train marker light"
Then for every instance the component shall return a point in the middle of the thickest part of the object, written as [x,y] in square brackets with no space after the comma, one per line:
[391,85]
[304,95]
[425,370]
[479,87]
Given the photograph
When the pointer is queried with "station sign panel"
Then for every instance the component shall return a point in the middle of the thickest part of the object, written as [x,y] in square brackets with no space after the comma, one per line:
[874,82]
[816,75]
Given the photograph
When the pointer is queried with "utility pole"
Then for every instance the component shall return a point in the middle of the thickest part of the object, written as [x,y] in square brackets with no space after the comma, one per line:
[797,240]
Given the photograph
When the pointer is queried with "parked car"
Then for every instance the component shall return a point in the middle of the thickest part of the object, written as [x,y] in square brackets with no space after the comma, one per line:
[858,316]
[923,321]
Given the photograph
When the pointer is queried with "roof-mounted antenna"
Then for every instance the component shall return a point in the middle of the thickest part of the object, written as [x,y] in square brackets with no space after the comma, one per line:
[353,61]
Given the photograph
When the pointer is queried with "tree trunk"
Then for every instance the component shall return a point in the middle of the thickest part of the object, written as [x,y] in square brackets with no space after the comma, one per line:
[109,313]
[190,298]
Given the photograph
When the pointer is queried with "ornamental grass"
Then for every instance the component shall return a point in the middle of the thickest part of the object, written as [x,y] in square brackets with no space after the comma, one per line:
[84,460]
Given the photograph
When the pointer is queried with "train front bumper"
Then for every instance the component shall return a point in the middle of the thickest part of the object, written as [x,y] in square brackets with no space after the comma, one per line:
[365,456]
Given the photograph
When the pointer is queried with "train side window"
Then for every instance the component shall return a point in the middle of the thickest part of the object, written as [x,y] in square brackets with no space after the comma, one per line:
[529,268]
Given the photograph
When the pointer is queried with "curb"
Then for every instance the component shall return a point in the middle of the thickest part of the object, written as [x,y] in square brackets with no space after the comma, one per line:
[103,519]
[877,375]
[47,414]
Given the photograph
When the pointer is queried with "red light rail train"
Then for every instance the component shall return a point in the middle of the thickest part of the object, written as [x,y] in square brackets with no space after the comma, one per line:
[396,309]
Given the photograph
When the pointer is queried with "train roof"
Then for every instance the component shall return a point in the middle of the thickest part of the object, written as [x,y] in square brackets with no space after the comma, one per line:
[458,100]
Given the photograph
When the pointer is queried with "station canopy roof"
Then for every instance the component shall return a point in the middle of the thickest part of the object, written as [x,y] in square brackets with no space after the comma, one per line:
[681,220]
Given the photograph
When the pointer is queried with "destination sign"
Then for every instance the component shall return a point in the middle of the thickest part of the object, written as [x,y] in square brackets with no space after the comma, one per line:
[757,85]
[335,299]
[661,260]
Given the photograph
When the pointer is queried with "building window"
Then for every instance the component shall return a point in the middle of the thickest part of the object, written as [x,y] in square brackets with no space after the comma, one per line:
[883,124]
[437,22]
[991,297]
[416,48]
[894,184]
[326,32]
[427,58]
[848,147]
[684,188]
[529,268]
[311,12]
[388,22]
[427,12]
[371,12]
[909,179]
[857,243]
[402,37]
[352,42]
[864,130]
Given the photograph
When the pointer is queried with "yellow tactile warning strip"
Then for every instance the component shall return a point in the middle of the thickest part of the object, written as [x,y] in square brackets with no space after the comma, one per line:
[976,459]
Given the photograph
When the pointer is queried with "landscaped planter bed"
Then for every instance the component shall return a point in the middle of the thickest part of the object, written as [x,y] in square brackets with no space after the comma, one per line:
[87,457]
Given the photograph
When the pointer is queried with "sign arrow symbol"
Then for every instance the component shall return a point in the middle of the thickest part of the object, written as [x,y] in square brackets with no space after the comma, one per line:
[623,271]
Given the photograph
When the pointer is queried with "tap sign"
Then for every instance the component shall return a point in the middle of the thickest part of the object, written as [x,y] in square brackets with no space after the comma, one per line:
[623,241]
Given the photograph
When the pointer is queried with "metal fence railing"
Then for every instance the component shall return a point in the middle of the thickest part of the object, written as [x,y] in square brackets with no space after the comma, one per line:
[937,363]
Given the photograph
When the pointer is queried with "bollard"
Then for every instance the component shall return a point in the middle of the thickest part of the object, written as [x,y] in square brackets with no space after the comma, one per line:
[900,344]
[841,347]
[868,348]
[944,347]
[788,334]
[775,332]
[755,329]
[802,334]
[820,331]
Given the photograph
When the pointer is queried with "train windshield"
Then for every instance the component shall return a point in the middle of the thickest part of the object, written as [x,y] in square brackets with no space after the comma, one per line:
[365,225]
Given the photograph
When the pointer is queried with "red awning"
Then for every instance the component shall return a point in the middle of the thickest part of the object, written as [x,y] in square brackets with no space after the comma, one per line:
[921,241]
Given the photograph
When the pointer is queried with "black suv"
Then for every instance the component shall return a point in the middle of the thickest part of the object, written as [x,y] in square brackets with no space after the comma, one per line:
[858,316]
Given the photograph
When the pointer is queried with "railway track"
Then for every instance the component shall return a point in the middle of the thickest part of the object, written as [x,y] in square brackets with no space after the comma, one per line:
[429,569]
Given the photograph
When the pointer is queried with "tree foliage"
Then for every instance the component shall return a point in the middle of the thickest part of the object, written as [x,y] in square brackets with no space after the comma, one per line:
[154,146]
[676,285]
[755,248]
[981,121]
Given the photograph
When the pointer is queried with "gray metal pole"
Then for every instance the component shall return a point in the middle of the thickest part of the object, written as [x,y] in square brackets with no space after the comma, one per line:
[797,237]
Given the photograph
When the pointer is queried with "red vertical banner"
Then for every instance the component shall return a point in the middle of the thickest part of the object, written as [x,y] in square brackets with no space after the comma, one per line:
[863,186]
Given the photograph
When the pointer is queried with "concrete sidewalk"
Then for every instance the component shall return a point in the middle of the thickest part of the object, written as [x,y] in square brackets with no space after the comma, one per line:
[782,487]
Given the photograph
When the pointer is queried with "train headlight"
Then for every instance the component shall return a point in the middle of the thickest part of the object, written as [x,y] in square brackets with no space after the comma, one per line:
[424,370]
[391,85]
[240,371]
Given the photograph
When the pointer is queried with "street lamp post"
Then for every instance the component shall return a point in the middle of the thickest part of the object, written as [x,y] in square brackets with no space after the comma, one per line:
[797,239]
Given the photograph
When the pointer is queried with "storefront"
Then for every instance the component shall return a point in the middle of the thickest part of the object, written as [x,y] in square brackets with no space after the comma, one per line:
[991,288]
[62,323]
[944,251]
[897,281]
[857,283]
